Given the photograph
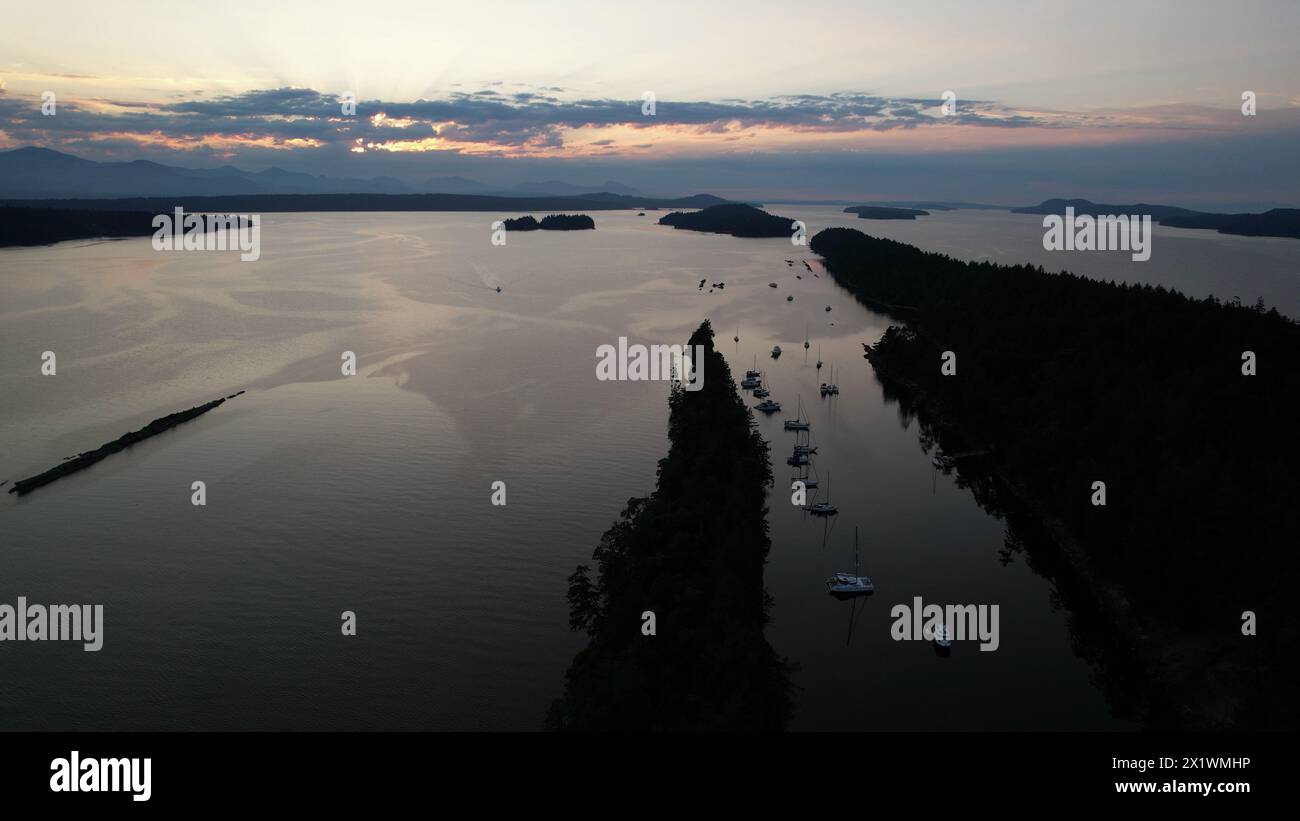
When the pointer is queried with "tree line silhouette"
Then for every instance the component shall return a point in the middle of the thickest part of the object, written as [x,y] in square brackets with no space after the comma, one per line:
[693,553]
[1071,381]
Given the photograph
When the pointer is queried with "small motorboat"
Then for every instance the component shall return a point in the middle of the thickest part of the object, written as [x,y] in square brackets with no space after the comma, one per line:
[789,298]
[828,307]
[771,284]
[776,351]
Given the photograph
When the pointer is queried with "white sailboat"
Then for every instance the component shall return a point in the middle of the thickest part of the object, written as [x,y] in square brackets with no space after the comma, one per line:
[824,508]
[798,423]
[850,584]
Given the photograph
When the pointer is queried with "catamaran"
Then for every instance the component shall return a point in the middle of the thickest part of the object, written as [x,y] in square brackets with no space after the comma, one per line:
[850,584]
[798,423]
[830,388]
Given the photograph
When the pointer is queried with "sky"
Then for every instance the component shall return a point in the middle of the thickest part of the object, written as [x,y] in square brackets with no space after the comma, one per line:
[1115,101]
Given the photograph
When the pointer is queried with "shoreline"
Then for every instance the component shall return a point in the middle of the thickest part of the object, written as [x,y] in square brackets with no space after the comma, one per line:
[1146,641]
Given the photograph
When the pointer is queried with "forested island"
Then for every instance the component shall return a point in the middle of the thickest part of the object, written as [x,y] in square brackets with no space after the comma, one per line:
[878,212]
[44,226]
[736,219]
[1279,222]
[693,553]
[1068,381]
[551,222]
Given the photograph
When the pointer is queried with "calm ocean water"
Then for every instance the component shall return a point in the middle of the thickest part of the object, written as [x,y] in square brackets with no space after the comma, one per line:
[372,493]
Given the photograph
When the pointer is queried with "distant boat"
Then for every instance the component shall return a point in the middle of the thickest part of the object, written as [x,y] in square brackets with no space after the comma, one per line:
[819,357]
[797,460]
[830,388]
[771,284]
[761,392]
[768,406]
[805,449]
[805,337]
[776,351]
[942,638]
[843,583]
[755,372]
[751,382]
[824,508]
[790,298]
[828,307]
[736,338]
[798,423]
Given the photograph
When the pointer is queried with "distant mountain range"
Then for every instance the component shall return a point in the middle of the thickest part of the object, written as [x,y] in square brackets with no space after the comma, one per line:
[42,173]
[1278,222]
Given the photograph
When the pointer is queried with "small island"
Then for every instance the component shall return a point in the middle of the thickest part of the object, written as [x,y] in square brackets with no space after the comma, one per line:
[736,219]
[552,222]
[878,212]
